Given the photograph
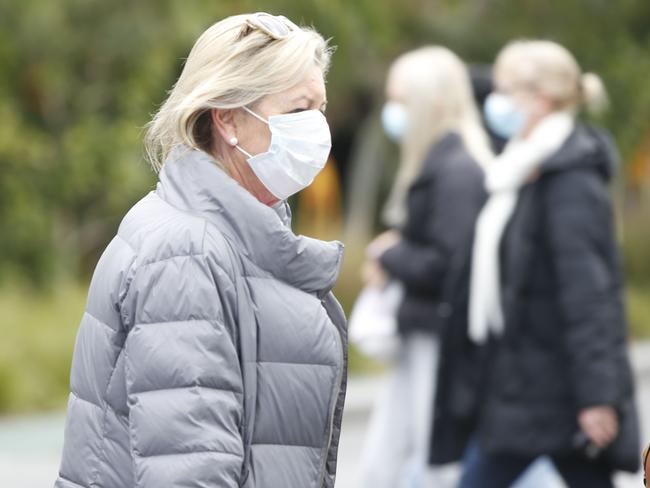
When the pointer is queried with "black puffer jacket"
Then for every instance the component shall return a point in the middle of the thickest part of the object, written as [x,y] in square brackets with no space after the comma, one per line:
[564,346]
[443,203]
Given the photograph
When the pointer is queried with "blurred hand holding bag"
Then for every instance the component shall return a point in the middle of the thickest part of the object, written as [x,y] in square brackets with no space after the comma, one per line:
[373,321]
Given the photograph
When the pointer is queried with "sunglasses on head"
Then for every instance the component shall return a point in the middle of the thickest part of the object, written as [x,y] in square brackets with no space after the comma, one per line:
[275,26]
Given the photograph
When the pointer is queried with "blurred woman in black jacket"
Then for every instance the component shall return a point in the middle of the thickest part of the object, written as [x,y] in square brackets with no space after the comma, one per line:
[437,195]
[546,289]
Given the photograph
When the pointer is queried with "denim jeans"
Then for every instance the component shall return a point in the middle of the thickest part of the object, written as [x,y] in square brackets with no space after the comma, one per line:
[483,470]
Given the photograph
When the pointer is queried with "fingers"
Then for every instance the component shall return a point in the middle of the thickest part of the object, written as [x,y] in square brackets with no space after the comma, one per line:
[373,274]
[600,424]
[595,434]
[381,243]
[610,427]
[598,435]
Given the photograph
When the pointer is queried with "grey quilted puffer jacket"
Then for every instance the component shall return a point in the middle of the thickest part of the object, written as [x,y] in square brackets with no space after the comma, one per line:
[211,353]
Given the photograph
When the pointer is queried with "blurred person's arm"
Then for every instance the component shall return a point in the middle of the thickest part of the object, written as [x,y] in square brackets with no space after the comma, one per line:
[580,238]
[372,273]
[454,203]
[183,381]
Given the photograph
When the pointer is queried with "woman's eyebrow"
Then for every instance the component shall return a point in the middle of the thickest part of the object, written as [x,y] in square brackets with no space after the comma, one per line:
[302,97]
[308,99]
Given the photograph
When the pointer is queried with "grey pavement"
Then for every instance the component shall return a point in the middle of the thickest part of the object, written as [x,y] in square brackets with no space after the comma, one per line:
[30,446]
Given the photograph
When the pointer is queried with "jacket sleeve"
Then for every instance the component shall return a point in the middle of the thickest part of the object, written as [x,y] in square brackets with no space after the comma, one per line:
[455,198]
[585,264]
[183,380]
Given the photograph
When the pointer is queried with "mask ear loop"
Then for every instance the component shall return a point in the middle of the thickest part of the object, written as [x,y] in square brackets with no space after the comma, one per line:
[255,115]
[243,151]
[235,143]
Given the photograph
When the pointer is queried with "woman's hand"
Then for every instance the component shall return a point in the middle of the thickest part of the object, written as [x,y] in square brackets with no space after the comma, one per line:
[382,243]
[600,424]
[373,274]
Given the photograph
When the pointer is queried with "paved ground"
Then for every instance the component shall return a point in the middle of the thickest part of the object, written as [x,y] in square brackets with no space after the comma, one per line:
[30,446]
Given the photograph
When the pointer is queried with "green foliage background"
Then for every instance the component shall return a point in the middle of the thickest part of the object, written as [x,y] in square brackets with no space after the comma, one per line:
[81,77]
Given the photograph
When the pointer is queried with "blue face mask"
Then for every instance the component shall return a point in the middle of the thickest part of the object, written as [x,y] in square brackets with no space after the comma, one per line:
[394,118]
[503,116]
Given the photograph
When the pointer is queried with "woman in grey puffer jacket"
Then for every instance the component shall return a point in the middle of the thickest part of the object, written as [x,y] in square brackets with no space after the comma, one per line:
[212,352]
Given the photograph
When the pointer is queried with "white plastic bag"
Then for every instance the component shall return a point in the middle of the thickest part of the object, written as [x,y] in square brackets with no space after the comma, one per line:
[373,321]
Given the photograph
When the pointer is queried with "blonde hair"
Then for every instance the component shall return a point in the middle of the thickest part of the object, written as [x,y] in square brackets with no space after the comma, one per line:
[551,69]
[232,64]
[438,95]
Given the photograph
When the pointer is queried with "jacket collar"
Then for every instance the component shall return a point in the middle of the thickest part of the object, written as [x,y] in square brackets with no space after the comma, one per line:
[191,181]
[587,146]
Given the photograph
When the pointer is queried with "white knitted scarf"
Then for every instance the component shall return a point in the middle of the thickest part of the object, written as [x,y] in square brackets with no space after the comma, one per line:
[504,177]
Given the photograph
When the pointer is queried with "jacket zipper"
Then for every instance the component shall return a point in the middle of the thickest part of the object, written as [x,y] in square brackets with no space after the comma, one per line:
[335,399]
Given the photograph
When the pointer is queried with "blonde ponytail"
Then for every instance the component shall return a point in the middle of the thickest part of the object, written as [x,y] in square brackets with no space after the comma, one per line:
[594,94]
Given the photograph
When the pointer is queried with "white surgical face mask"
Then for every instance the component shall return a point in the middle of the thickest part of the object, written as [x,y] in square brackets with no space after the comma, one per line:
[394,118]
[300,146]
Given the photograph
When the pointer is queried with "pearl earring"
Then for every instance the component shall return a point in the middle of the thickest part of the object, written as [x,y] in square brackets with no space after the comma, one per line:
[233,141]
